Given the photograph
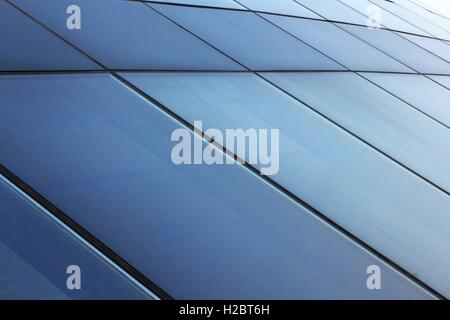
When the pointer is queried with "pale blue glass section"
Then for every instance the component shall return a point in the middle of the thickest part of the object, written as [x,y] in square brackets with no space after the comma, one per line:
[128,35]
[379,118]
[249,39]
[401,49]
[434,18]
[443,80]
[380,202]
[102,154]
[378,16]
[338,44]
[212,3]
[418,90]
[35,252]
[438,47]
[25,45]
[414,19]
[289,7]
[334,10]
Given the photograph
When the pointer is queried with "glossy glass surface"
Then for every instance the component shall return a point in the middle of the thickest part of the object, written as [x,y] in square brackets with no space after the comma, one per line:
[198,231]
[288,7]
[338,44]
[401,49]
[381,203]
[414,19]
[146,41]
[212,3]
[378,16]
[249,39]
[36,251]
[27,46]
[419,91]
[437,47]
[443,80]
[334,10]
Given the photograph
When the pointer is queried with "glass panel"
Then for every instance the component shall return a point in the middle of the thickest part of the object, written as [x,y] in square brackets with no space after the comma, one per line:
[434,18]
[443,80]
[35,252]
[383,121]
[405,86]
[289,7]
[28,46]
[438,47]
[210,3]
[250,39]
[334,10]
[198,231]
[146,41]
[378,201]
[338,44]
[401,49]
[380,16]
[414,19]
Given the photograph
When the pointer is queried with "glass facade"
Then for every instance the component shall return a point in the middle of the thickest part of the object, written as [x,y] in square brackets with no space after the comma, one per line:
[107,180]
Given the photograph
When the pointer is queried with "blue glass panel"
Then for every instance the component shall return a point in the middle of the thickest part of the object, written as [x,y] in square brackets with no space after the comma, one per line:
[210,3]
[289,7]
[434,18]
[334,10]
[414,19]
[27,46]
[438,47]
[379,118]
[102,154]
[443,80]
[145,41]
[371,196]
[401,49]
[338,44]
[377,16]
[35,252]
[249,39]
[421,92]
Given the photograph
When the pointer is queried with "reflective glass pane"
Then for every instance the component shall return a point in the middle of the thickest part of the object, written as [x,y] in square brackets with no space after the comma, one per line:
[378,201]
[198,231]
[36,252]
[379,118]
[334,10]
[421,92]
[377,16]
[210,3]
[414,19]
[401,49]
[434,18]
[338,44]
[438,47]
[27,46]
[146,41]
[249,39]
[289,7]
[443,80]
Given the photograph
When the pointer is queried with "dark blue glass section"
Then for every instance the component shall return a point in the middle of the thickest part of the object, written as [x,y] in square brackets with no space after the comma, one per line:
[25,45]
[36,250]
[102,154]
[128,35]
[250,39]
